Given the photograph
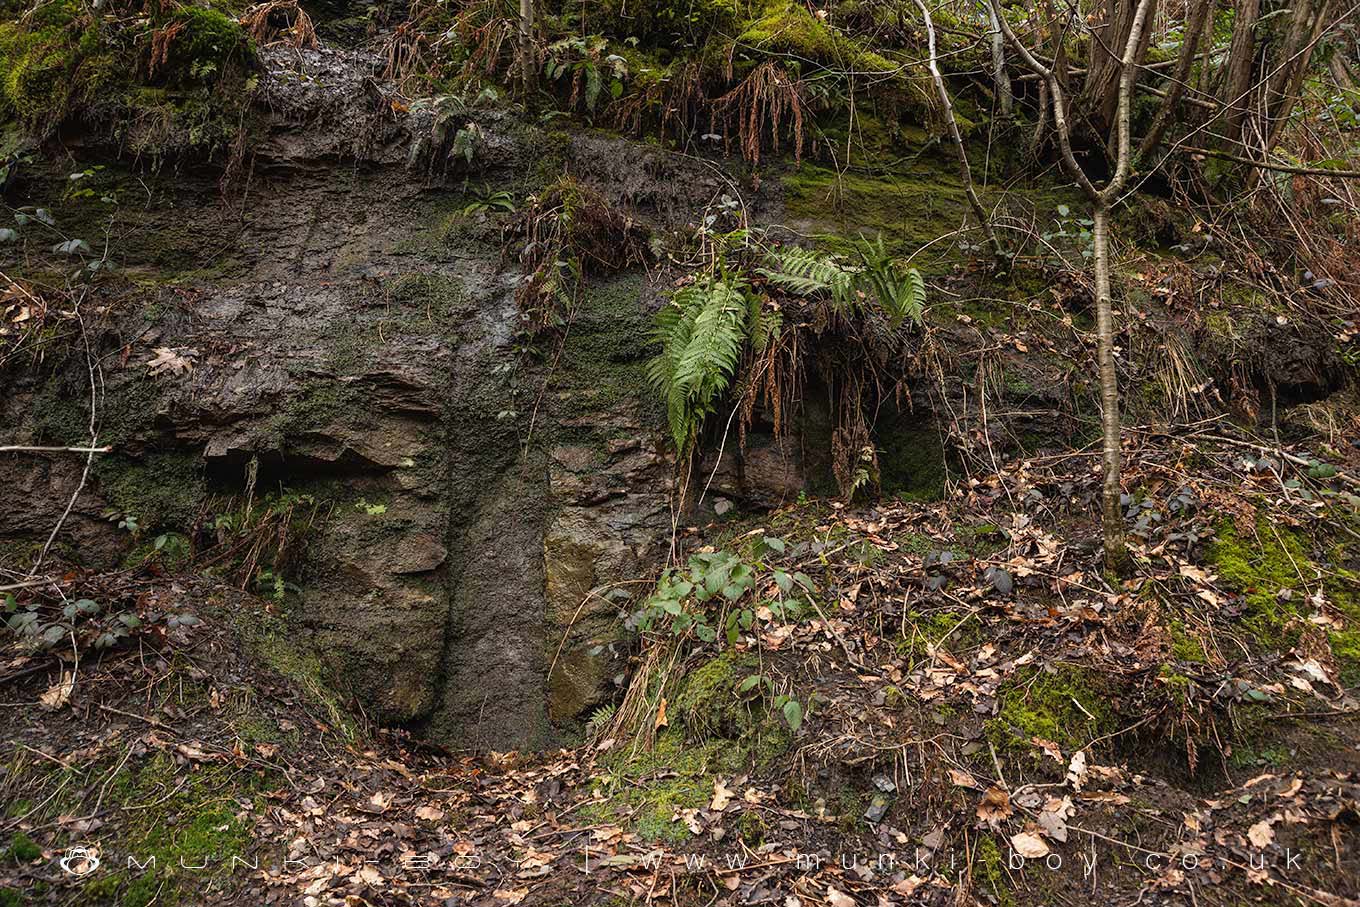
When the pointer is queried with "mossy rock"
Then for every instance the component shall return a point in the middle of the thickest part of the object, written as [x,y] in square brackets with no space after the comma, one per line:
[787,27]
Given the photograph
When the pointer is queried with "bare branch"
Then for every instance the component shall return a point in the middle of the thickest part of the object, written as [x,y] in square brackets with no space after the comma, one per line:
[965,173]
[25,448]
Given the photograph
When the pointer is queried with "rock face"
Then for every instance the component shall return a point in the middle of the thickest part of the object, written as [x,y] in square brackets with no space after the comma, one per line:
[351,329]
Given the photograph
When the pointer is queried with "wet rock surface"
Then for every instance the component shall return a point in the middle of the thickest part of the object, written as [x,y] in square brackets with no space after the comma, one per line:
[352,336]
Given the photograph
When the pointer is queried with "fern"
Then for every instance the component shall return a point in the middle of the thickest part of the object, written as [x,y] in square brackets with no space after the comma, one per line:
[899,292]
[701,332]
[600,719]
[804,272]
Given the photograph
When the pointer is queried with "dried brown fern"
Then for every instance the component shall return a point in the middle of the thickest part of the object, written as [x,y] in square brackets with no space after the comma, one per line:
[279,21]
[162,39]
[767,99]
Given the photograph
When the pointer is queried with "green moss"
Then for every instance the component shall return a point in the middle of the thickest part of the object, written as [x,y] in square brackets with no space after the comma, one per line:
[270,637]
[708,702]
[604,356]
[1066,705]
[787,27]
[910,208]
[924,630]
[1184,645]
[980,539]
[210,42]
[1259,567]
[713,733]
[22,849]
[989,871]
[64,61]
[631,788]
[752,827]
[911,460]
[197,821]
[430,302]
[163,491]
[318,405]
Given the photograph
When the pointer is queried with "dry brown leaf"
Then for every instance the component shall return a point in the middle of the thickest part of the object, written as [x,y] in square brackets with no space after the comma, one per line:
[995,806]
[1050,748]
[837,898]
[962,779]
[59,693]
[173,361]
[1076,770]
[1261,834]
[1029,845]
[721,796]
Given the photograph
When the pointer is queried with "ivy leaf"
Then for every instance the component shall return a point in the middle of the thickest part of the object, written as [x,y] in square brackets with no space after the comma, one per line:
[793,714]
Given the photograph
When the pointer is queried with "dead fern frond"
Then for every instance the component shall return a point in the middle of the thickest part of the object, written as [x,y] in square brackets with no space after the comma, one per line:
[279,21]
[767,99]
[407,56]
[162,39]
[570,231]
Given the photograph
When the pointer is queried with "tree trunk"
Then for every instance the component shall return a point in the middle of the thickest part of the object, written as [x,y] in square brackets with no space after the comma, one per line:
[1299,58]
[1005,95]
[1112,512]
[1241,55]
[1196,18]
[1101,92]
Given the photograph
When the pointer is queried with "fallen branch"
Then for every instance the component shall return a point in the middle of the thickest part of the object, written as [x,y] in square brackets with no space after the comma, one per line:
[1266,165]
[1292,458]
[25,448]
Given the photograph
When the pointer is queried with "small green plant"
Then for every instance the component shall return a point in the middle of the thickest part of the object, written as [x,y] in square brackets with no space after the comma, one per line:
[43,623]
[1073,230]
[488,202]
[788,707]
[583,65]
[370,509]
[685,600]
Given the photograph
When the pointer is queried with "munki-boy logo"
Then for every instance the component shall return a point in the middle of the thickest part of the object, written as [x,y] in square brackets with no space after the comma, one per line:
[79,861]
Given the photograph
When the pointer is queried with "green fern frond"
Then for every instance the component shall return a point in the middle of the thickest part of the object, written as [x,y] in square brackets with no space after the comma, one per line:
[702,332]
[900,292]
[807,273]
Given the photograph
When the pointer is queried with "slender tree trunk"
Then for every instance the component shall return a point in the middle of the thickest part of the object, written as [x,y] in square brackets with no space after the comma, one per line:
[960,152]
[1241,55]
[1005,95]
[1299,59]
[1112,513]
[1197,17]
[1102,200]
[527,70]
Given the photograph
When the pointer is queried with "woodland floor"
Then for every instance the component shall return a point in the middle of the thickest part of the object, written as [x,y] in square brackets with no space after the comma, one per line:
[975,691]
